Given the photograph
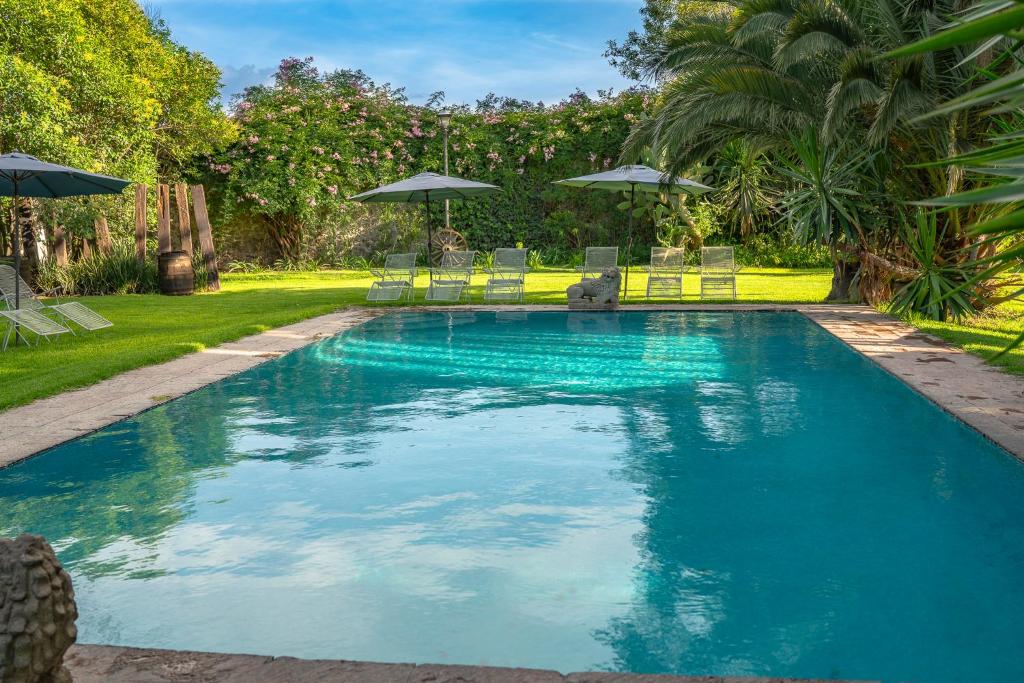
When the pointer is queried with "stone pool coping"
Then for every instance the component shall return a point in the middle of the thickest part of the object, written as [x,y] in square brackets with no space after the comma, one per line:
[984,397]
[110,664]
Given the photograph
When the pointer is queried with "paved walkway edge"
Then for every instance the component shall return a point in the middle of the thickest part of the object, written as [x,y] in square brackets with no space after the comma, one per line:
[110,664]
[986,398]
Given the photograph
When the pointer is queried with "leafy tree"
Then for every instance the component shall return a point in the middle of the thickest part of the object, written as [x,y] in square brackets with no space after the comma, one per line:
[99,86]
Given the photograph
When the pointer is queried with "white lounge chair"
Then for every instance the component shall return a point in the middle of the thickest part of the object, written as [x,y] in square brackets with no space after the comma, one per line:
[508,276]
[665,274]
[71,311]
[395,280]
[449,281]
[597,259]
[717,273]
[27,319]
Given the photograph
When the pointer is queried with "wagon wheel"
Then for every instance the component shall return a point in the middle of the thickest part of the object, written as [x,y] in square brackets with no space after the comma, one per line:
[447,240]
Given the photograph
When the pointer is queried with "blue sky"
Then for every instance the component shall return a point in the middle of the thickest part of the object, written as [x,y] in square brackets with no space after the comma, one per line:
[529,49]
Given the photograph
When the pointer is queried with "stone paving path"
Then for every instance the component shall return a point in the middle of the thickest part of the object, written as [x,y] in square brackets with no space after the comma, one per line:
[108,664]
[984,397]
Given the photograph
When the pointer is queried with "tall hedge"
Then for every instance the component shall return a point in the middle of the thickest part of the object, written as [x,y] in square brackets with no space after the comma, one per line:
[310,139]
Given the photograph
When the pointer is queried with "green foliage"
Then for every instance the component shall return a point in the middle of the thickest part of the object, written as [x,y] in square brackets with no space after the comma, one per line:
[937,288]
[807,109]
[311,139]
[991,31]
[100,86]
[118,273]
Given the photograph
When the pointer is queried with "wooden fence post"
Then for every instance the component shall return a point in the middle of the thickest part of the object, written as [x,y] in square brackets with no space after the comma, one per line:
[163,218]
[103,242]
[60,246]
[140,222]
[86,249]
[184,218]
[205,237]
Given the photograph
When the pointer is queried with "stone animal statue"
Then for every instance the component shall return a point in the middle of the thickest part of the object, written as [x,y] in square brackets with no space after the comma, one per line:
[603,290]
[37,612]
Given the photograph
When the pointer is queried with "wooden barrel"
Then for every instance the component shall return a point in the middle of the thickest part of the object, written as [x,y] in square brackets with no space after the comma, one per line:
[174,269]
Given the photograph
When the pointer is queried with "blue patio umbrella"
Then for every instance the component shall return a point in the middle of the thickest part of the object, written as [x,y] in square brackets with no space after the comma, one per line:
[635,179]
[22,175]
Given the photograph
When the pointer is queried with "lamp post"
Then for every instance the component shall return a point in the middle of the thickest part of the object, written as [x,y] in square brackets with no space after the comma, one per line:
[445,118]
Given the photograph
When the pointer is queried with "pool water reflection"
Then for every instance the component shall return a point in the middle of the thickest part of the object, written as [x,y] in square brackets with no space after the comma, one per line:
[703,493]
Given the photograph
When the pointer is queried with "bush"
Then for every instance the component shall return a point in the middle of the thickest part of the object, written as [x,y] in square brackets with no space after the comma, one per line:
[117,273]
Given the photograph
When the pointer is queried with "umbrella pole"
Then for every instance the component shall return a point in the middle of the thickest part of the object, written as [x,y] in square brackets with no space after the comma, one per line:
[16,246]
[430,235]
[629,237]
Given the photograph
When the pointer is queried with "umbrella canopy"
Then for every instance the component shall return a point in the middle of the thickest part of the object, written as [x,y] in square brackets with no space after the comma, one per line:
[22,175]
[641,178]
[427,187]
[633,179]
[26,176]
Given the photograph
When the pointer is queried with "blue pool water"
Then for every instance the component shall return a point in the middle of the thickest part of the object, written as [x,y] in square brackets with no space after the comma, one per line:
[653,492]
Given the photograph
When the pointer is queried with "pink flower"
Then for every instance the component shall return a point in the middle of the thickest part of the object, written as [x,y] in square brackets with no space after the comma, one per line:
[253,139]
[388,154]
[333,189]
[270,157]
[318,150]
[291,182]
[311,201]
[549,153]
[336,156]
[244,106]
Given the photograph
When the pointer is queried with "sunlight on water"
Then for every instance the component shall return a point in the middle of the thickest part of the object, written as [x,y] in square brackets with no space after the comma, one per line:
[652,492]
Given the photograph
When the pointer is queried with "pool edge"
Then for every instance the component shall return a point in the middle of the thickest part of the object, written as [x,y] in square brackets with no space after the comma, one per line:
[114,664]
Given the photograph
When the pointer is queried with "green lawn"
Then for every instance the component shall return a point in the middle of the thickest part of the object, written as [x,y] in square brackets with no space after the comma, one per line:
[151,329]
[985,334]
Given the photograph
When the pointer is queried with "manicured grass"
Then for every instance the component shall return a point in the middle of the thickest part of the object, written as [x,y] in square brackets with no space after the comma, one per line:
[985,335]
[151,328]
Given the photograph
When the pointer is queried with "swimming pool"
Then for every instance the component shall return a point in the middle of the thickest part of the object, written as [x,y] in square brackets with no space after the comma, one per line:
[703,493]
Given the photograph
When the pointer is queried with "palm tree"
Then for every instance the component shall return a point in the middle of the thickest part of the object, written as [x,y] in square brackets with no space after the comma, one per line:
[807,80]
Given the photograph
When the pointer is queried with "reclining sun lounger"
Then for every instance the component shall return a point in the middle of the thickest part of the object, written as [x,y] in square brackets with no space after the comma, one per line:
[26,319]
[448,281]
[72,311]
[665,274]
[508,276]
[395,280]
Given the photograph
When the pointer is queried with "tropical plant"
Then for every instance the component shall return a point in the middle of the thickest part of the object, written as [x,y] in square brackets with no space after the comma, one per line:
[746,187]
[755,74]
[991,31]
[936,286]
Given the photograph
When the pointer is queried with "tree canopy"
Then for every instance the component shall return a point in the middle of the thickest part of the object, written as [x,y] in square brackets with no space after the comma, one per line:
[102,86]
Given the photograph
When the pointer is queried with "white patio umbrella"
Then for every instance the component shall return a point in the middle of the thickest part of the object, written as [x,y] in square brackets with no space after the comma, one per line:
[426,187]
[633,179]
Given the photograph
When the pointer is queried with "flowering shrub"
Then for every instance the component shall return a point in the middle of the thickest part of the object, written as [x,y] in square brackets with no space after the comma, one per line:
[312,139]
